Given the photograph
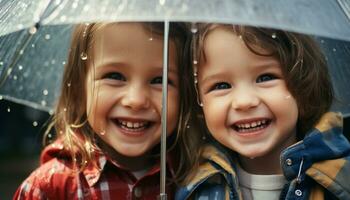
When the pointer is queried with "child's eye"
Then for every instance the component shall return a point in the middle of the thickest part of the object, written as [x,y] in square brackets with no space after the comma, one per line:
[265,77]
[115,76]
[221,86]
[159,80]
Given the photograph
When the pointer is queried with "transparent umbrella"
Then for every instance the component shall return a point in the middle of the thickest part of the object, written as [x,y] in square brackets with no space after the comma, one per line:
[34,36]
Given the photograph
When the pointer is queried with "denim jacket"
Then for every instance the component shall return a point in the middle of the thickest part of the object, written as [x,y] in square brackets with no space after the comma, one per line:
[317,167]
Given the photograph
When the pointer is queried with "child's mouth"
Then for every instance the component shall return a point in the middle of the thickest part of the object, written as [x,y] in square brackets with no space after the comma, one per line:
[252,126]
[133,126]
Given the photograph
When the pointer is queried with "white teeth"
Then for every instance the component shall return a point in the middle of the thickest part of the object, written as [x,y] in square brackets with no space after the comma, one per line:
[252,125]
[134,125]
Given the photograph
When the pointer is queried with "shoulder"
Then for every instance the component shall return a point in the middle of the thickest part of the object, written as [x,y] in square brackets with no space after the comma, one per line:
[333,175]
[51,180]
[210,178]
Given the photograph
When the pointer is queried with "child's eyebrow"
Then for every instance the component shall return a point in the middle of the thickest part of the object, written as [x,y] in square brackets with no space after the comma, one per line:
[213,76]
[267,64]
[111,65]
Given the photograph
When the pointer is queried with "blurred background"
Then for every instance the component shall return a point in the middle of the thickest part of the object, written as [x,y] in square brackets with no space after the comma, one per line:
[21,132]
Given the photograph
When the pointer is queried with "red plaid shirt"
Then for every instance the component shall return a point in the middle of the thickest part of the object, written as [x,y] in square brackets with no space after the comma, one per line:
[56,179]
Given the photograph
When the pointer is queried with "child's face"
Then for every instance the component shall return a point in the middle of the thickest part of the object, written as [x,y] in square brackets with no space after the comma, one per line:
[124,88]
[246,103]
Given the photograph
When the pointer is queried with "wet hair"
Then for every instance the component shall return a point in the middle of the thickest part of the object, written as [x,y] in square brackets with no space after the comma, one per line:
[70,118]
[301,59]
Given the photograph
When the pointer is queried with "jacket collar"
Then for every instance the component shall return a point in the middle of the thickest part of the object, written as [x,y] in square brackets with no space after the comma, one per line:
[324,142]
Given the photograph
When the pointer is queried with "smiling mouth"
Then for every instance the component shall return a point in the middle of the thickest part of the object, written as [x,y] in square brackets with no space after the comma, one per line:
[251,126]
[133,126]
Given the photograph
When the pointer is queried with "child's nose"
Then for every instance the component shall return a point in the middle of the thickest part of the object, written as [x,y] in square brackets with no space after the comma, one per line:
[136,98]
[245,99]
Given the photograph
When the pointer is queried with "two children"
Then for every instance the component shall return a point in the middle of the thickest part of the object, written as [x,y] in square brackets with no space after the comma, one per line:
[262,91]
[108,117]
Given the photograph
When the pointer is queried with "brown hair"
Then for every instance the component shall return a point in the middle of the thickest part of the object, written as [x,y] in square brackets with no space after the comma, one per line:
[70,118]
[303,65]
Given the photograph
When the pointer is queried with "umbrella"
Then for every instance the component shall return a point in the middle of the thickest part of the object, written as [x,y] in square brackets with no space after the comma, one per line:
[27,28]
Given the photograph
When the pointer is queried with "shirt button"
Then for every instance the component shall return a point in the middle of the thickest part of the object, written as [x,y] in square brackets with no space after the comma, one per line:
[289,162]
[138,192]
[298,193]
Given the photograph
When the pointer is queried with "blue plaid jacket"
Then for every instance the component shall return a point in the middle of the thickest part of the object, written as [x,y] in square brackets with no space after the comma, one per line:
[318,167]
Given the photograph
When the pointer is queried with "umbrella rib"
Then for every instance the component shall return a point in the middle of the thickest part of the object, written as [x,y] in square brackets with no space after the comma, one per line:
[18,54]
[345,8]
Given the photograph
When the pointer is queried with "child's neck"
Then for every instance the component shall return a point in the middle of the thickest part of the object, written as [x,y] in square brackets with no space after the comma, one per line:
[268,163]
[130,163]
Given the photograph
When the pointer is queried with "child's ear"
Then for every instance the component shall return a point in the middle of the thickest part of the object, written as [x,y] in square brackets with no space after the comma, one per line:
[329,120]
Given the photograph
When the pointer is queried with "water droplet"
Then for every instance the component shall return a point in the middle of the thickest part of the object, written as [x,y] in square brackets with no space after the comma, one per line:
[21,52]
[1,63]
[103,132]
[83,56]
[8,109]
[9,71]
[33,45]
[51,112]
[32,30]
[240,37]
[43,103]
[334,49]
[14,77]
[63,18]
[161,2]
[49,135]
[150,39]
[86,8]
[65,109]
[64,62]
[20,67]
[1,97]
[68,84]
[35,123]
[74,5]
[188,126]
[274,35]
[45,92]
[57,2]
[195,62]
[47,36]
[194,28]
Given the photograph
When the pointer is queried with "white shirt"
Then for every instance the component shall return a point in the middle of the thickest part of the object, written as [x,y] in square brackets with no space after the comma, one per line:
[260,187]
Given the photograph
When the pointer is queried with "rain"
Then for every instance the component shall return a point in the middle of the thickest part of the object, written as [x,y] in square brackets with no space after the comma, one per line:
[31,68]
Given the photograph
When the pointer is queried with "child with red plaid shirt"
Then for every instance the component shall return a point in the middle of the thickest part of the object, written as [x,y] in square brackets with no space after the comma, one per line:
[108,117]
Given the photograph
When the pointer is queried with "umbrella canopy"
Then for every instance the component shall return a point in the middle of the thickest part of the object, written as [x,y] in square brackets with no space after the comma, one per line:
[42,29]
[329,18]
